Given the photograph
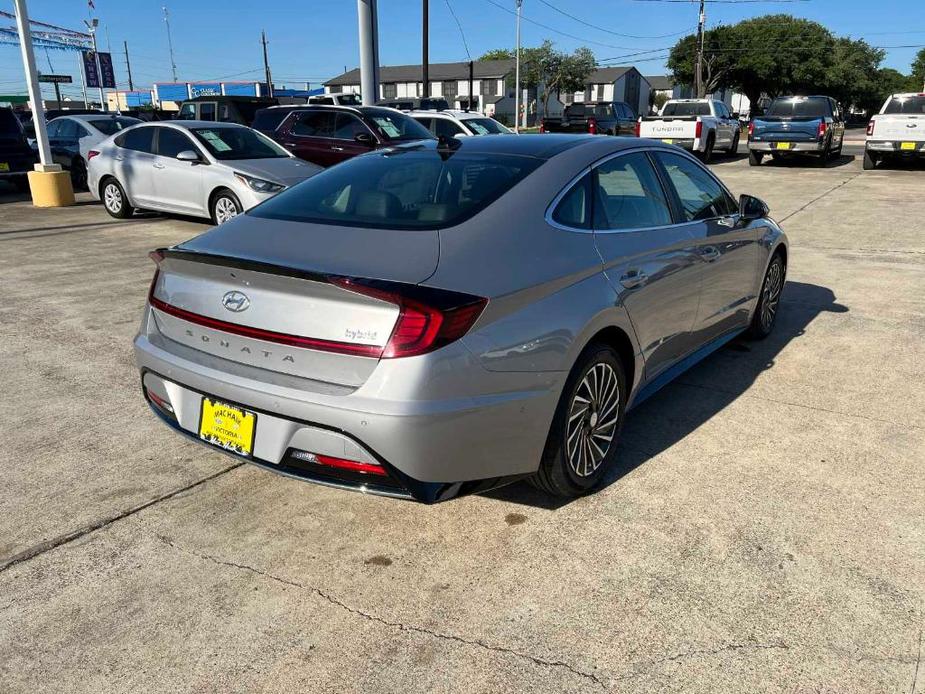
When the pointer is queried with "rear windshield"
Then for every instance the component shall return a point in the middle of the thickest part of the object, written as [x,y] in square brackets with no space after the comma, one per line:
[906,104]
[238,143]
[397,127]
[799,108]
[403,189]
[583,110]
[270,118]
[110,126]
[681,108]
[486,126]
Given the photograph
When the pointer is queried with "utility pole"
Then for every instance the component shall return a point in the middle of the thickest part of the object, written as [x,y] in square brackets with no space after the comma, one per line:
[424,49]
[128,67]
[367,19]
[173,64]
[266,63]
[471,81]
[92,27]
[698,72]
[517,74]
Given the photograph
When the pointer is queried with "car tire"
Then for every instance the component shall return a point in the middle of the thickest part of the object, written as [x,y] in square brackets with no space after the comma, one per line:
[772,287]
[823,159]
[577,453]
[754,158]
[78,174]
[224,206]
[734,147]
[707,153]
[870,163]
[114,199]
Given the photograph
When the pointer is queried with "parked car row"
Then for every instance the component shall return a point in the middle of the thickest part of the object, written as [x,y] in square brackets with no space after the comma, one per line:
[898,131]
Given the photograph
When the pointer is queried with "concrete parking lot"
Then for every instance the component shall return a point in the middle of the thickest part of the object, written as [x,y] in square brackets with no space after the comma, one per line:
[766,532]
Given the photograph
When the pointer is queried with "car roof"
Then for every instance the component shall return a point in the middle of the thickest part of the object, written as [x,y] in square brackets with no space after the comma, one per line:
[539,146]
[95,116]
[187,124]
[448,112]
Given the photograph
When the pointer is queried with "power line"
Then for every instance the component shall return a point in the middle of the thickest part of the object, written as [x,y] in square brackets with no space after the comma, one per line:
[607,31]
[461,32]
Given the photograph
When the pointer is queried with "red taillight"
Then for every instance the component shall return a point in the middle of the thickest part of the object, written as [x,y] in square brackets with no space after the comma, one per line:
[638,127]
[92,153]
[422,326]
[592,126]
[340,463]
[542,126]
[823,126]
[870,127]
[751,128]
[159,401]
[698,129]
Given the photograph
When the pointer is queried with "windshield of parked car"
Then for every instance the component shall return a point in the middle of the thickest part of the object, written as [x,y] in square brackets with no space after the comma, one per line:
[348,100]
[110,126]
[799,108]
[906,104]
[238,143]
[686,108]
[397,127]
[401,189]
[486,126]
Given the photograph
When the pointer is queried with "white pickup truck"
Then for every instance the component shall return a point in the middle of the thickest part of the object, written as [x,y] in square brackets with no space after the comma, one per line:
[697,125]
[897,131]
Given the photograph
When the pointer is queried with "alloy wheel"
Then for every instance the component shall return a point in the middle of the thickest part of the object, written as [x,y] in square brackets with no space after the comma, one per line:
[225,209]
[592,419]
[773,284]
[112,198]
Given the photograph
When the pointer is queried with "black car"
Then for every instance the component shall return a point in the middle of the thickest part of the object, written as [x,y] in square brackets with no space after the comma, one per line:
[596,118]
[16,156]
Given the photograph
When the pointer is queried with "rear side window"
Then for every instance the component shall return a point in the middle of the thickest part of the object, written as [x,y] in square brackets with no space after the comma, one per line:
[138,139]
[404,189]
[813,107]
[110,126]
[701,195]
[574,209]
[314,124]
[686,108]
[629,195]
[906,104]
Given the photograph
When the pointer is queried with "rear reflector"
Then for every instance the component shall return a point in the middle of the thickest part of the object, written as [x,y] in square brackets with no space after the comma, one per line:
[870,127]
[592,126]
[823,126]
[159,401]
[698,129]
[340,463]
[638,127]
[751,128]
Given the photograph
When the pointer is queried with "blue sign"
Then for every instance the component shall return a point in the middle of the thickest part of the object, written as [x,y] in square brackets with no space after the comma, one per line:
[205,89]
[93,76]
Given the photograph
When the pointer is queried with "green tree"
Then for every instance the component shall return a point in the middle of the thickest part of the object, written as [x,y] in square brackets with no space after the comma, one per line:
[918,71]
[854,77]
[498,54]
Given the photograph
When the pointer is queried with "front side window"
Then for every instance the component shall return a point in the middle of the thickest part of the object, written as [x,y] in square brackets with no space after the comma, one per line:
[314,124]
[401,189]
[701,195]
[574,209]
[68,129]
[188,112]
[445,127]
[229,142]
[347,127]
[138,139]
[171,142]
[629,195]
[269,118]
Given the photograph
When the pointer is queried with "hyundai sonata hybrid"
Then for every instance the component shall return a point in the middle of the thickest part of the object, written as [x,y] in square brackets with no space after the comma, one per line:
[196,168]
[448,316]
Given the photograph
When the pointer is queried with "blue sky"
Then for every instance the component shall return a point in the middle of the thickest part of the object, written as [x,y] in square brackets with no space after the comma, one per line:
[314,40]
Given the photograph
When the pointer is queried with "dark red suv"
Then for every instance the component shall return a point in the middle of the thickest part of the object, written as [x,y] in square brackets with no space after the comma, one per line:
[327,135]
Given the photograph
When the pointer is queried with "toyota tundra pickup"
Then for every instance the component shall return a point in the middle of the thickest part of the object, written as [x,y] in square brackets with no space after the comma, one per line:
[897,131]
[811,125]
[697,125]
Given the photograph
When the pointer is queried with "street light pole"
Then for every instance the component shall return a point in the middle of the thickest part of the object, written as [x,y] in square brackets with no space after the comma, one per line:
[517,74]
[32,82]
[367,19]
[91,27]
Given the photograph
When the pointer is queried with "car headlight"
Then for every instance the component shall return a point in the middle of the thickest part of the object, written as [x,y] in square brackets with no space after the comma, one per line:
[258,184]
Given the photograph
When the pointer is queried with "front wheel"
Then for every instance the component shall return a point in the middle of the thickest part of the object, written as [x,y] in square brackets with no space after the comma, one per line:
[225,206]
[114,200]
[754,158]
[869,162]
[582,442]
[768,301]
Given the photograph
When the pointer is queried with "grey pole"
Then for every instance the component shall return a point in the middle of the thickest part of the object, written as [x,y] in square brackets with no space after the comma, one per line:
[173,63]
[517,74]
[425,53]
[32,82]
[128,67]
[366,22]
[99,71]
[83,81]
[698,74]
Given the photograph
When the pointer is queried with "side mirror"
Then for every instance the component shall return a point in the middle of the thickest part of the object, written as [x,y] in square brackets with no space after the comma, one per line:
[188,155]
[365,139]
[751,208]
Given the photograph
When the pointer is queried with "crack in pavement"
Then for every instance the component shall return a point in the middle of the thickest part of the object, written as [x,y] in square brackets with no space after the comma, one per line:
[48,545]
[751,644]
[337,602]
[819,197]
[915,677]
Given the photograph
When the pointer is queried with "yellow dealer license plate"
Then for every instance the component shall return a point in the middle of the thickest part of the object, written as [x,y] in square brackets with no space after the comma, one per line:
[784,145]
[668,141]
[4,166]
[227,426]
[907,145]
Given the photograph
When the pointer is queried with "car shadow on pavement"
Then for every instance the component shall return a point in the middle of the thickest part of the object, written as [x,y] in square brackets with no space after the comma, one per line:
[800,161]
[720,158]
[699,394]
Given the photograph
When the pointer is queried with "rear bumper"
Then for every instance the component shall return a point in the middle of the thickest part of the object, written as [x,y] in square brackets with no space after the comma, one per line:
[894,147]
[800,147]
[432,449]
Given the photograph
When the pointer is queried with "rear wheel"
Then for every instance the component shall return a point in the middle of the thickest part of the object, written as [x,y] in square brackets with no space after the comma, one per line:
[870,163]
[823,159]
[769,300]
[225,206]
[115,201]
[707,154]
[78,174]
[582,442]
[734,147]
[754,158]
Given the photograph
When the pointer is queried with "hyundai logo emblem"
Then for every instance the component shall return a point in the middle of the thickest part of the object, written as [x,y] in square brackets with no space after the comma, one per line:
[236,301]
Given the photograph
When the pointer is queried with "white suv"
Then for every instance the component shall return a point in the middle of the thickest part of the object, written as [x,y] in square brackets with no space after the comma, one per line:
[459,123]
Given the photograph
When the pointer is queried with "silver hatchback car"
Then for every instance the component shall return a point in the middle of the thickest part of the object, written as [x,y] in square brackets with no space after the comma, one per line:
[448,316]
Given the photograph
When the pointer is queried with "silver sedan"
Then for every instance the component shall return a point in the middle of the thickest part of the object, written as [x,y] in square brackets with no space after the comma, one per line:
[196,168]
[443,317]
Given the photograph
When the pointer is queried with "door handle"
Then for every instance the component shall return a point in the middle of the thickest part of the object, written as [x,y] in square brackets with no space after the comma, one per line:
[336,148]
[633,279]
[709,253]
[119,158]
[159,166]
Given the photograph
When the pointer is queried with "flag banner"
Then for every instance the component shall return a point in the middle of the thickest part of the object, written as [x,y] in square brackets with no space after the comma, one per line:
[93,77]
[108,74]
